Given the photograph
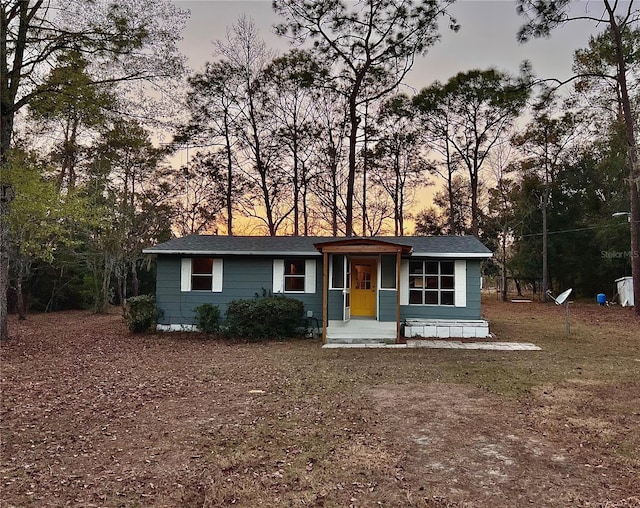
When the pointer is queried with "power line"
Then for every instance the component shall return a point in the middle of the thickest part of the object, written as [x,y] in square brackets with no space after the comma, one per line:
[587,228]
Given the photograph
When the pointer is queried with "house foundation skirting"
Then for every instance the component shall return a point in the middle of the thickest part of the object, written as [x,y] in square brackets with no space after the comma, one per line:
[447,328]
[176,328]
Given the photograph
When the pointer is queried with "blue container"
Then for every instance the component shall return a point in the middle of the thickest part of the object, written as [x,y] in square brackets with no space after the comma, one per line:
[601,298]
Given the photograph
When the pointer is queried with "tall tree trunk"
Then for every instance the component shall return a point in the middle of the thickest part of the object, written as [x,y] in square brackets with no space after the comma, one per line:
[504,263]
[20,296]
[364,170]
[396,190]
[9,83]
[264,185]
[634,223]
[305,208]
[354,120]
[475,222]
[333,155]
[135,283]
[121,285]
[296,189]
[632,156]
[106,283]
[401,210]
[4,260]
[102,297]
[351,178]
[545,263]
[452,209]
[229,188]
[51,304]
[69,155]
[6,195]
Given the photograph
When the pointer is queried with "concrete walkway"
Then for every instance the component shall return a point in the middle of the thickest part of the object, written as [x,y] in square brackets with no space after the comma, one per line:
[444,344]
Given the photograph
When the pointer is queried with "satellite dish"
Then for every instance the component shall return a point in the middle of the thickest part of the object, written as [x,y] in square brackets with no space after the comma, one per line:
[563,296]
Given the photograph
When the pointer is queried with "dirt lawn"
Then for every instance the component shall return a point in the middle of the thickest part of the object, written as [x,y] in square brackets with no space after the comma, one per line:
[95,416]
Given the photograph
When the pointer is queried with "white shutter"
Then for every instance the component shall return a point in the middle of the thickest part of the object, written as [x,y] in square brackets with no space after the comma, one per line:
[216,287]
[278,276]
[460,283]
[185,275]
[404,282]
[310,276]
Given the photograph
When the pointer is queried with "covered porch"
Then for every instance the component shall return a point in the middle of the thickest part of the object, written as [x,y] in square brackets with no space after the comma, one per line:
[361,290]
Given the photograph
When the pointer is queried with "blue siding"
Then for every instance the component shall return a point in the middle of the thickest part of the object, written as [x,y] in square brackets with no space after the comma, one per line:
[471,311]
[387,305]
[243,277]
[335,304]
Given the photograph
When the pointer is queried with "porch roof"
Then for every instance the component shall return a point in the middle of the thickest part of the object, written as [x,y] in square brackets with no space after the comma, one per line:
[311,246]
[363,245]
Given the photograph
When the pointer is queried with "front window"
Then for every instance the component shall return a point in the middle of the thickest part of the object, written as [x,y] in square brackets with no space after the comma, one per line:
[337,271]
[388,271]
[201,274]
[362,276]
[294,275]
[431,283]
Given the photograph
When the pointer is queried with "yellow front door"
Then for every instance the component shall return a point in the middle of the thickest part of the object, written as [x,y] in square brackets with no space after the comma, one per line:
[363,287]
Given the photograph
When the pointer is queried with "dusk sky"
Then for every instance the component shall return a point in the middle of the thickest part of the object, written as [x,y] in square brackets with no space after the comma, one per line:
[487,38]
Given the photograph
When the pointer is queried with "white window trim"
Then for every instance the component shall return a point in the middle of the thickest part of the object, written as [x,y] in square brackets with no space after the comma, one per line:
[217,275]
[310,276]
[278,276]
[404,282]
[185,275]
[460,283]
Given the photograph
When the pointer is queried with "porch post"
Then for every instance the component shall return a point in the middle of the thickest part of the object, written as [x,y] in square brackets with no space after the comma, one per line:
[398,262]
[325,295]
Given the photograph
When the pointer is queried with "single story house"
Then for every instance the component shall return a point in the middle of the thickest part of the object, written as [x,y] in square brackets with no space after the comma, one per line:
[354,289]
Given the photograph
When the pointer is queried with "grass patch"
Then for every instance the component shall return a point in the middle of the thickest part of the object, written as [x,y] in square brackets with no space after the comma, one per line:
[94,415]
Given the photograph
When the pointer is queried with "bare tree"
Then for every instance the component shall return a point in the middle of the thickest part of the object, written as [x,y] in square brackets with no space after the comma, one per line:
[370,48]
[288,82]
[249,57]
[330,157]
[200,193]
[475,110]
[398,166]
[212,102]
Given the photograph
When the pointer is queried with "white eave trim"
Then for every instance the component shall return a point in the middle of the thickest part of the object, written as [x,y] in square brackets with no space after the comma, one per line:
[457,255]
[183,252]
[231,253]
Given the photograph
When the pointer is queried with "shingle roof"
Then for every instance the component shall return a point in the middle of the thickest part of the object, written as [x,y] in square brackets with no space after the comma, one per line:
[462,246]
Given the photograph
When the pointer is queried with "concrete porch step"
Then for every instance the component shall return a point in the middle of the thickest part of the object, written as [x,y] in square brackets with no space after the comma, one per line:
[356,340]
[361,331]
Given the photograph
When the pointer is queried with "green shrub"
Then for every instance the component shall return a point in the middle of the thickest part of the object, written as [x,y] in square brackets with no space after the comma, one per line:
[208,317]
[264,318]
[140,313]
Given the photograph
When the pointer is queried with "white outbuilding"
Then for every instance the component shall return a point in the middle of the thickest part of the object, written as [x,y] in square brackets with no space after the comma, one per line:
[624,286]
